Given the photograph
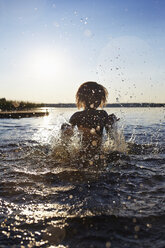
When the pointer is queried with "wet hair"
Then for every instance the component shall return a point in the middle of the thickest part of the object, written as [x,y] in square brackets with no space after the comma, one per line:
[91,95]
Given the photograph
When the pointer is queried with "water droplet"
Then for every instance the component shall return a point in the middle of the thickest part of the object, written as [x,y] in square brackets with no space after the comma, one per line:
[92,105]
[91,162]
[98,128]
[94,143]
[149,225]
[137,228]
[134,220]
[108,244]
[96,157]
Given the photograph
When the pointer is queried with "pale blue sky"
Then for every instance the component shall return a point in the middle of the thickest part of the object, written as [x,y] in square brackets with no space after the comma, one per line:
[49,47]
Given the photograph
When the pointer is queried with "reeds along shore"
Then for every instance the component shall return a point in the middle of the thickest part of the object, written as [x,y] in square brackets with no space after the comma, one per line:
[6,105]
[15,109]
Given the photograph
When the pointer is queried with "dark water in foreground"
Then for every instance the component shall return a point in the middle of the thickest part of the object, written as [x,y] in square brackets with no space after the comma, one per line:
[50,202]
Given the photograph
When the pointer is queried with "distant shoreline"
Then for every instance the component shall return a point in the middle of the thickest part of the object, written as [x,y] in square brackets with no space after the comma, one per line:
[10,105]
[109,105]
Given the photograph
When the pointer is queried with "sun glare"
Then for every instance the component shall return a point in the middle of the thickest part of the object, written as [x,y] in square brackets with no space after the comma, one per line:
[46,64]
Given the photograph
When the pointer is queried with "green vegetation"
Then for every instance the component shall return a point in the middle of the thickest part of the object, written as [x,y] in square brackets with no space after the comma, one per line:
[6,105]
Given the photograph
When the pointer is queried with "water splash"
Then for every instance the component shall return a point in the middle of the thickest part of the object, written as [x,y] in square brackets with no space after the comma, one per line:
[115,141]
[67,148]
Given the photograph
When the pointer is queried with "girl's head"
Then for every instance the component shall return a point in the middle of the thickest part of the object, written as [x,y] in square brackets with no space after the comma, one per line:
[91,95]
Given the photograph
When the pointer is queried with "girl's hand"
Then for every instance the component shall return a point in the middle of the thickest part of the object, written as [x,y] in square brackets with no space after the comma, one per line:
[67,129]
[112,119]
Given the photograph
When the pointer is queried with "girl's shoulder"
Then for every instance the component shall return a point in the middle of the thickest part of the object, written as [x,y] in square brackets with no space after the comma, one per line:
[103,113]
[75,117]
[77,114]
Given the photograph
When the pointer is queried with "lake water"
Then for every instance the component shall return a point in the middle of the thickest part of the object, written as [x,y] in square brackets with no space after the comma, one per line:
[49,199]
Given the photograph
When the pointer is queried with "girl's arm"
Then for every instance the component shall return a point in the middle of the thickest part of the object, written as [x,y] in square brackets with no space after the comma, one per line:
[67,129]
[111,120]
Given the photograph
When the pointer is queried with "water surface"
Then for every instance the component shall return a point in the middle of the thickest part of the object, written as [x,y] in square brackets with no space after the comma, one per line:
[50,202]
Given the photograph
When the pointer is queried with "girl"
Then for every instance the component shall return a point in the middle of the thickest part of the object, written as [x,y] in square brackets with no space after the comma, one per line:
[91,121]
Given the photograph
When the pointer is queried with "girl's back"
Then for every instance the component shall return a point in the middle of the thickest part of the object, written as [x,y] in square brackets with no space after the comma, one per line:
[91,123]
[91,119]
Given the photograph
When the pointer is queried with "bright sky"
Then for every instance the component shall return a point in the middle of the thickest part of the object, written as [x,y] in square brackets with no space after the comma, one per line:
[49,47]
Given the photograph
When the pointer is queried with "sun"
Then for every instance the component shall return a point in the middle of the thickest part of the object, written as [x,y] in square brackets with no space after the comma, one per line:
[46,64]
